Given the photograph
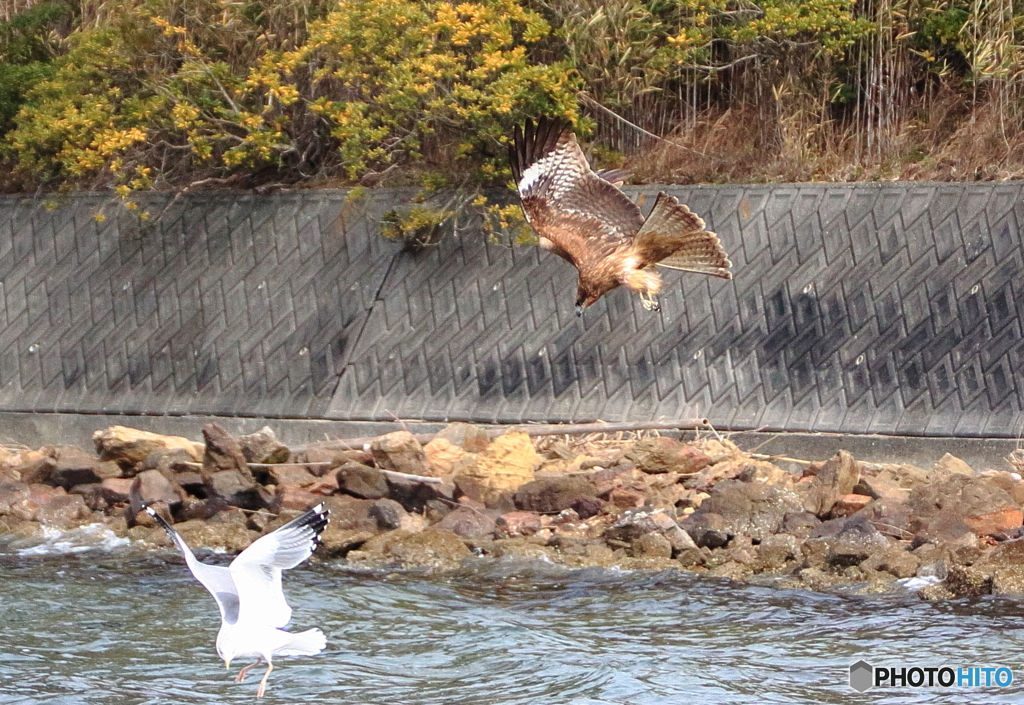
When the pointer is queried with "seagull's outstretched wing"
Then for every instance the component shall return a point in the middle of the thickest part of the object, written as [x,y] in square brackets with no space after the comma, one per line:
[257,570]
[214,578]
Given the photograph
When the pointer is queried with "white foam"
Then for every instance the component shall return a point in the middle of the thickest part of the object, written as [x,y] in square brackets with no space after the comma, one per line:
[919,582]
[84,538]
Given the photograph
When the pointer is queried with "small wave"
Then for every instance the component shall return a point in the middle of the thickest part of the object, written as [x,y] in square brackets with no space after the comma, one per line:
[84,538]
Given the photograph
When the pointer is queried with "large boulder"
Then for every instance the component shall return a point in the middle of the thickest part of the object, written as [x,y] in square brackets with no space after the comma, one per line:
[434,548]
[442,456]
[659,454]
[501,468]
[235,488]
[837,477]
[129,447]
[222,452]
[73,466]
[751,509]
[64,511]
[633,524]
[468,523]
[149,487]
[361,480]
[263,447]
[400,452]
[553,494]
[963,500]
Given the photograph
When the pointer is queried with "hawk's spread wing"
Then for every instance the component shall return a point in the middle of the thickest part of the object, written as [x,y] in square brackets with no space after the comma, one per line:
[576,213]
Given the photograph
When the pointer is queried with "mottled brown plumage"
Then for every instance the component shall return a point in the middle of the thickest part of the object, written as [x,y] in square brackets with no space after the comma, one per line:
[583,217]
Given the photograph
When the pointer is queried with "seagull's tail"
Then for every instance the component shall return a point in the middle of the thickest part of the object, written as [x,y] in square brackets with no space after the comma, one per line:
[307,643]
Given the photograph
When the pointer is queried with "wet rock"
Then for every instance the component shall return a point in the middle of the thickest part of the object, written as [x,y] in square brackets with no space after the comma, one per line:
[632,524]
[362,481]
[513,524]
[336,543]
[659,454]
[64,512]
[228,536]
[652,545]
[434,548]
[471,439]
[442,455]
[895,560]
[468,523]
[855,542]
[964,581]
[837,477]
[150,487]
[223,453]
[775,553]
[552,494]
[350,513]
[263,447]
[521,548]
[401,452]
[129,447]
[233,487]
[506,465]
[388,514]
[752,509]
[290,474]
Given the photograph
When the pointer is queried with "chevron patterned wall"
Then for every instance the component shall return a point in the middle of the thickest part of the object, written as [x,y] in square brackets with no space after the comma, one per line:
[890,308]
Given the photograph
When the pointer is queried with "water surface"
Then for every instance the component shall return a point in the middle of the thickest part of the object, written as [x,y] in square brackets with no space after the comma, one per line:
[133,627]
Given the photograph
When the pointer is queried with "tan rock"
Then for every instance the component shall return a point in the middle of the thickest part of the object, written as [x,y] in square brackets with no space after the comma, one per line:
[626,498]
[401,452]
[291,474]
[129,446]
[949,465]
[442,455]
[504,466]
[519,523]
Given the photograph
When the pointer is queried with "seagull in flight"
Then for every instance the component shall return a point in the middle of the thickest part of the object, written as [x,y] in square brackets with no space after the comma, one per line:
[253,610]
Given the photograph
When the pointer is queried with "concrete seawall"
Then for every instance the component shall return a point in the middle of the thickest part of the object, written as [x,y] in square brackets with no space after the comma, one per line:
[869,308]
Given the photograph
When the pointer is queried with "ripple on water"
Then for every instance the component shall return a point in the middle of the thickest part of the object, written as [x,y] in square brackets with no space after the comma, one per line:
[97,627]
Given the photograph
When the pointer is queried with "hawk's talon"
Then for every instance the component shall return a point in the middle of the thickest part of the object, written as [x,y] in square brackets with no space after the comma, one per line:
[649,302]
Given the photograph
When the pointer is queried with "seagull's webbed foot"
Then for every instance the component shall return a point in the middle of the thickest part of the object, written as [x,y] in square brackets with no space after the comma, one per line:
[263,683]
[241,674]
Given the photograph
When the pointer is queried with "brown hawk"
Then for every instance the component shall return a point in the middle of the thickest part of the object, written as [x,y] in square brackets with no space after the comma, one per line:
[583,217]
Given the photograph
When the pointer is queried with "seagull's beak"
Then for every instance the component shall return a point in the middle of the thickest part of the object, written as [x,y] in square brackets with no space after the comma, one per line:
[227,665]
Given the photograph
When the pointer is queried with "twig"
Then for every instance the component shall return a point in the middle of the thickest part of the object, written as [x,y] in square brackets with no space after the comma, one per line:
[388,473]
[406,476]
[763,456]
[597,106]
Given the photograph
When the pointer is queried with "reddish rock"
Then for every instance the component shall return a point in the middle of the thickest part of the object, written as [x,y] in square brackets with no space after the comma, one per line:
[291,474]
[468,523]
[151,486]
[514,524]
[837,477]
[1004,519]
[626,498]
[326,485]
[849,504]
[660,454]
[293,497]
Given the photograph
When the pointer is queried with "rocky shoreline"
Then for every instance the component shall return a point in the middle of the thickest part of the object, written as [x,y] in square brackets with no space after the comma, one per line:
[648,502]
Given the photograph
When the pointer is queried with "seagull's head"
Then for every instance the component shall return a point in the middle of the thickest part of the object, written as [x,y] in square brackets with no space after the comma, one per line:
[225,650]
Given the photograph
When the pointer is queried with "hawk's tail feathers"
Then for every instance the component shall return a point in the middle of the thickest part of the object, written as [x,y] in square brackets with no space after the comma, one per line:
[673,236]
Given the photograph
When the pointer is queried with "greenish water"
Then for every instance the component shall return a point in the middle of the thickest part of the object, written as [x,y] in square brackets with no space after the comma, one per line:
[124,626]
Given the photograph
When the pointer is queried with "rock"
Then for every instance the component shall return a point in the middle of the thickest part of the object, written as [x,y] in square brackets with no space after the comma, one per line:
[800,524]
[1008,581]
[751,509]
[892,482]
[659,454]
[964,581]
[401,452]
[362,481]
[708,529]
[837,477]
[149,487]
[229,536]
[235,488]
[894,560]
[263,447]
[259,520]
[552,494]
[38,471]
[949,465]
[943,509]
[292,497]
[290,474]
[775,553]
[328,455]
[388,514]
[64,512]
[415,495]
[223,453]
[625,498]
[855,542]
[1003,519]
[230,515]
[335,543]
[442,455]
[717,451]
[468,523]
[503,467]
[587,507]
[632,524]
[471,439]
[108,493]
[350,513]
[434,548]
[73,466]
[652,545]
[129,447]
[513,524]
[849,504]
[191,482]
[738,467]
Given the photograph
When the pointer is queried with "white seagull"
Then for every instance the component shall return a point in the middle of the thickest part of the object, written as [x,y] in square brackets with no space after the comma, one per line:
[253,610]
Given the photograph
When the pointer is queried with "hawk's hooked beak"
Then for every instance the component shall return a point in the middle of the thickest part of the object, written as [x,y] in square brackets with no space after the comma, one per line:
[579,309]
